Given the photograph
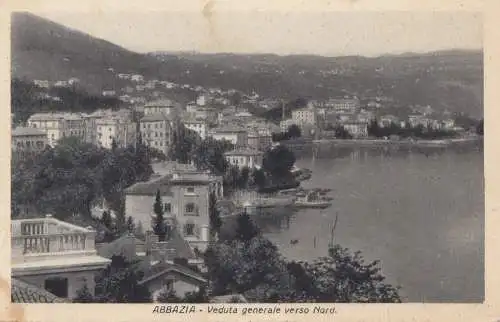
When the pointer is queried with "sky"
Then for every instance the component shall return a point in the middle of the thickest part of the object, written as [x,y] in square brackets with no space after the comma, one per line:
[322,33]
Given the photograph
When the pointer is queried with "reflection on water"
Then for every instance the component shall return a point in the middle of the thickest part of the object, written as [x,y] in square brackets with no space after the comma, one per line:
[421,212]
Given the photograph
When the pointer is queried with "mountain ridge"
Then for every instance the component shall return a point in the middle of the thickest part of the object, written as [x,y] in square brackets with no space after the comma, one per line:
[450,79]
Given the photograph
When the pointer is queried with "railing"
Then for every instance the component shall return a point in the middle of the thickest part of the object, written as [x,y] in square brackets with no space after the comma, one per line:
[49,235]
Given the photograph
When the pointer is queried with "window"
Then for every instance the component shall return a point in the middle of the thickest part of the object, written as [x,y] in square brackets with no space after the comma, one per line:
[57,286]
[167,207]
[190,189]
[189,229]
[190,208]
[168,284]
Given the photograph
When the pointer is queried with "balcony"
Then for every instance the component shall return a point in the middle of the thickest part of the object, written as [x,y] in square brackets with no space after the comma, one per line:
[49,238]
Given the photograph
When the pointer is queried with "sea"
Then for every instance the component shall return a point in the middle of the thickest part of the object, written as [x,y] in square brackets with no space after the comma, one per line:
[419,211]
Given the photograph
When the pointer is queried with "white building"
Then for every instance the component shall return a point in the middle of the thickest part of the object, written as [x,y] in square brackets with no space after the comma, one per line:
[54,255]
[305,116]
[244,157]
[235,135]
[108,93]
[163,106]
[137,78]
[285,124]
[356,129]
[199,126]
[157,131]
[202,100]
[53,124]
[119,130]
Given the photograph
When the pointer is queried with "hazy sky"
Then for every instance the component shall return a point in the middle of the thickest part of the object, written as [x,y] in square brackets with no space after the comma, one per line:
[330,33]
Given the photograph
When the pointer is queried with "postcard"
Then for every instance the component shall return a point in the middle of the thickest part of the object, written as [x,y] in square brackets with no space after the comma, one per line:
[264,161]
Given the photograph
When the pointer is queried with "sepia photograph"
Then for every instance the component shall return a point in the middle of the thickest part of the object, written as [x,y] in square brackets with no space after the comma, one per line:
[260,157]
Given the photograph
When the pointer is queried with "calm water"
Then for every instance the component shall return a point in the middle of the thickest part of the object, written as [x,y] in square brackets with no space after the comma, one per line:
[421,213]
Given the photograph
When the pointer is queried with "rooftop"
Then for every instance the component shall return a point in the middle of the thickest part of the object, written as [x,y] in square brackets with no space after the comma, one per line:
[228,129]
[156,117]
[22,292]
[27,131]
[151,187]
[153,271]
[166,181]
[161,103]
[244,151]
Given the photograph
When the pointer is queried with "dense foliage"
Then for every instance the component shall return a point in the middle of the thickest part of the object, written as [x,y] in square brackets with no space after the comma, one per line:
[118,283]
[73,176]
[159,227]
[416,132]
[293,132]
[251,264]
[27,98]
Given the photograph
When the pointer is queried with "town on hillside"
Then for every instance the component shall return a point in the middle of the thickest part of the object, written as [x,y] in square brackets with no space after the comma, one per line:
[152,190]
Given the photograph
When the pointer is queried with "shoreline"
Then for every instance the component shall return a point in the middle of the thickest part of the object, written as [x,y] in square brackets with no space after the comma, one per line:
[384,143]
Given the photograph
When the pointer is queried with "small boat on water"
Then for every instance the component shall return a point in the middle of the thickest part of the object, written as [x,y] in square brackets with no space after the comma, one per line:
[312,204]
[313,199]
[266,203]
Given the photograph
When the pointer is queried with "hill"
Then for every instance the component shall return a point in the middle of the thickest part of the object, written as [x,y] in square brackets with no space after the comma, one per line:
[451,80]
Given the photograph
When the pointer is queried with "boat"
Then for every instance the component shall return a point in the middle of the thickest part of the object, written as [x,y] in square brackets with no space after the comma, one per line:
[313,199]
[312,204]
[267,203]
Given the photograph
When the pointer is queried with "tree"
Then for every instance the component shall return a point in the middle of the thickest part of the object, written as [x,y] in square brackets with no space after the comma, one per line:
[294,131]
[243,178]
[168,296]
[373,128]
[114,145]
[245,229]
[83,295]
[259,178]
[119,283]
[106,220]
[278,161]
[480,127]
[215,220]
[237,266]
[130,224]
[345,277]
[159,222]
[342,133]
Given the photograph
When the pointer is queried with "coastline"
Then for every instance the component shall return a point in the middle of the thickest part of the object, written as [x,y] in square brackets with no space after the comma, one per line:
[385,143]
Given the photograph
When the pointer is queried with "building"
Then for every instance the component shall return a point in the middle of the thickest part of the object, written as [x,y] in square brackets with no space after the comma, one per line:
[28,141]
[343,105]
[74,125]
[115,129]
[259,140]
[305,116]
[137,78]
[202,100]
[207,113]
[388,120]
[235,135]
[162,106]
[285,124]
[73,81]
[54,255]
[53,124]
[356,129]
[21,292]
[41,83]
[244,157]
[108,93]
[157,131]
[199,126]
[185,198]
[164,276]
